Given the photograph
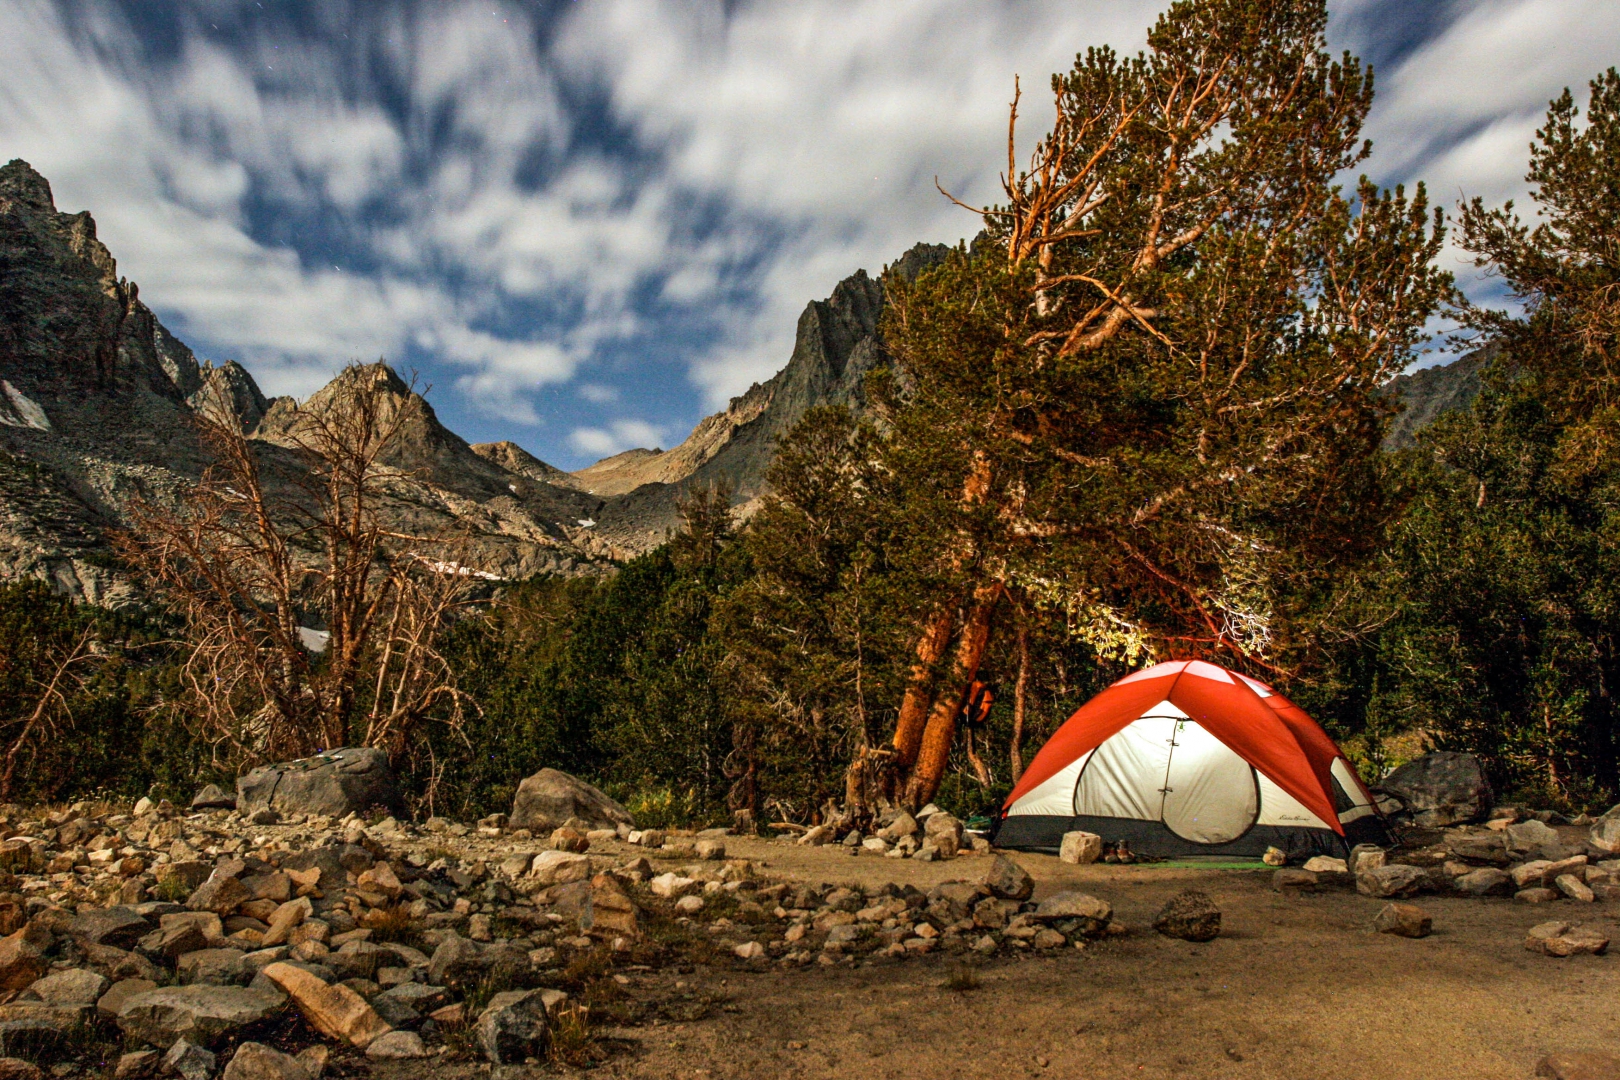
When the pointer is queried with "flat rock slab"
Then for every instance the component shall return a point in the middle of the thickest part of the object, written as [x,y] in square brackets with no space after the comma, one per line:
[1578,1065]
[198,1014]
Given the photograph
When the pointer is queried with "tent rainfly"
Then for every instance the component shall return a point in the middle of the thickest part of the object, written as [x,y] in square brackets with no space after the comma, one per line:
[1187,758]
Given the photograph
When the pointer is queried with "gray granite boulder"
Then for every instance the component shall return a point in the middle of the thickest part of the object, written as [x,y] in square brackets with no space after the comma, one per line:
[1441,789]
[550,798]
[335,783]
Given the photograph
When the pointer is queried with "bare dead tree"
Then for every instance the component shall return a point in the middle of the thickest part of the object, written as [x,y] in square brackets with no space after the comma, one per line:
[246,564]
[50,708]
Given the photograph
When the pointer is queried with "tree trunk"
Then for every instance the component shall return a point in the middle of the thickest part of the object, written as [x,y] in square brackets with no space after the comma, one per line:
[1020,692]
[940,731]
[914,707]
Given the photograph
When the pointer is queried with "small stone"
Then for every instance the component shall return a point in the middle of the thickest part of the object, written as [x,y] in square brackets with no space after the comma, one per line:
[1365,857]
[136,1065]
[1326,864]
[1093,914]
[1005,878]
[188,1061]
[567,839]
[1574,888]
[256,1061]
[397,1046]
[749,950]
[1536,895]
[1557,938]
[215,967]
[210,797]
[1288,879]
[710,850]
[816,836]
[1486,882]
[113,1000]
[1403,920]
[875,844]
[1395,879]
[220,895]
[118,927]
[1275,857]
[670,885]
[1080,848]
[1190,916]
[985,945]
[1048,939]
[944,832]
[689,905]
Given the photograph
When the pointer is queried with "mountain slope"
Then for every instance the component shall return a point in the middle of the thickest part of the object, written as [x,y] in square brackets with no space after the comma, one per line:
[98,406]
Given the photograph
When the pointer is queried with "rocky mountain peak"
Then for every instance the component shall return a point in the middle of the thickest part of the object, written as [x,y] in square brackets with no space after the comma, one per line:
[21,182]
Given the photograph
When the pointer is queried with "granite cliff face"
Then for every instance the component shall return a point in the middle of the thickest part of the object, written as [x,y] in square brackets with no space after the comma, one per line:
[98,405]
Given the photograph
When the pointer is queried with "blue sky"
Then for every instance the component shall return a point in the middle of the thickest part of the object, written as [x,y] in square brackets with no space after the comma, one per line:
[588,223]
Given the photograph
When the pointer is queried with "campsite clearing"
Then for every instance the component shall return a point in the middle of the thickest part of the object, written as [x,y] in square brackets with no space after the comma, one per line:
[1297,987]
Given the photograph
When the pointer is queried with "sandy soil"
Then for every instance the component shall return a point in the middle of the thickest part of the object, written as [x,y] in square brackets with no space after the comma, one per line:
[1296,988]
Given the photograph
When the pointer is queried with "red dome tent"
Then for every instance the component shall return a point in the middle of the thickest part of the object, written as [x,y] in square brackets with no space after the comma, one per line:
[1189,758]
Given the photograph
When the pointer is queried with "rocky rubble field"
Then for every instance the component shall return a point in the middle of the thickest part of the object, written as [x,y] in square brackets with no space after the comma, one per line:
[151,941]
[269,941]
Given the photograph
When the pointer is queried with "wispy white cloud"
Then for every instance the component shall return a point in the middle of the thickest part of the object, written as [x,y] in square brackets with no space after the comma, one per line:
[618,436]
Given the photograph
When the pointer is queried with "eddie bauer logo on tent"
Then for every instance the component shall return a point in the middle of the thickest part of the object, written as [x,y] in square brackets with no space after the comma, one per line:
[1189,758]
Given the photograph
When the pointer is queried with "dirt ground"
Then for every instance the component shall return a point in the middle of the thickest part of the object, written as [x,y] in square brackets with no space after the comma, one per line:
[1296,988]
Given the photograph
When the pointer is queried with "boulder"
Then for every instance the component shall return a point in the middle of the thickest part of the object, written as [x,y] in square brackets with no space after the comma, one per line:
[1190,916]
[256,1061]
[944,832]
[335,1010]
[1005,878]
[22,958]
[550,799]
[1403,920]
[220,895]
[1396,879]
[119,927]
[336,783]
[212,798]
[199,1014]
[74,986]
[1080,848]
[513,1026]
[1605,832]
[1441,789]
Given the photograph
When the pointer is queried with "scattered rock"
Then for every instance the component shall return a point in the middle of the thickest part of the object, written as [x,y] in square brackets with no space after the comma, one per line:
[1574,888]
[17,1069]
[198,1014]
[1326,864]
[944,832]
[1556,938]
[1005,878]
[397,1046]
[513,1026]
[188,1061]
[550,799]
[22,958]
[136,1065]
[256,1061]
[564,838]
[817,835]
[1080,848]
[1530,838]
[75,986]
[752,950]
[1539,894]
[1275,857]
[1395,879]
[219,894]
[612,913]
[109,1004]
[1605,831]
[1190,916]
[1403,920]
[1289,879]
[118,927]
[335,1010]
[1365,857]
[210,797]
[1091,914]
[1486,882]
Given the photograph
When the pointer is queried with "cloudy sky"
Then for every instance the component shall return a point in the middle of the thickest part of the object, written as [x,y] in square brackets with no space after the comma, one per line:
[588,223]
